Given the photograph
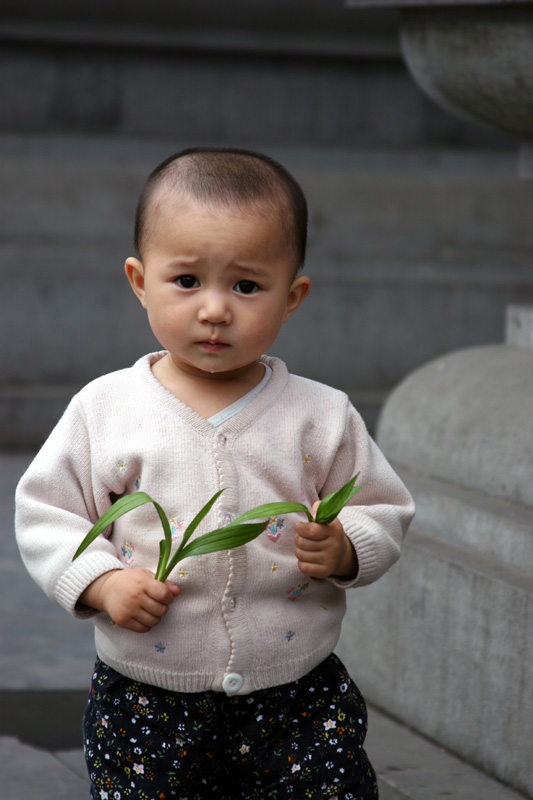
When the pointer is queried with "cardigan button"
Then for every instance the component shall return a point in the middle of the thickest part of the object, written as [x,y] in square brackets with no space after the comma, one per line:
[221,439]
[232,683]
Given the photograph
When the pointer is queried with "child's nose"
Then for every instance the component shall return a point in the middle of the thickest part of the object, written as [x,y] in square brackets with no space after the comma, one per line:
[214,308]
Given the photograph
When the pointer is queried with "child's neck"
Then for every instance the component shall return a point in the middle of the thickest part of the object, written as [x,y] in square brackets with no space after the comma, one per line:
[205,393]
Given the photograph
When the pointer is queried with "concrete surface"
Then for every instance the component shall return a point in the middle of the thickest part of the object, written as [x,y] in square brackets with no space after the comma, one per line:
[28,772]
[408,768]
[410,255]
[45,666]
[444,643]
[519,326]
[319,28]
[451,624]
[475,62]
[473,422]
[41,647]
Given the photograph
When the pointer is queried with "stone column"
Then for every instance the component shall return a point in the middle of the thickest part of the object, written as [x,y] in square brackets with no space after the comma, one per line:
[473,59]
[444,642]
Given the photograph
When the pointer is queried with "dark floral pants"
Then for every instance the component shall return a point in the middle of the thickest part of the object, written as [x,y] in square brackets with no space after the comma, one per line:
[299,740]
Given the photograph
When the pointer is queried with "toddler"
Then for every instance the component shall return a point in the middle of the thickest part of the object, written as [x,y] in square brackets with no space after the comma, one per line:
[220,683]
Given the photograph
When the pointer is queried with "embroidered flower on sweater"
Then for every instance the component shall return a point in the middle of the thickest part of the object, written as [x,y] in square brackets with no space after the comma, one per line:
[297,590]
[306,459]
[175,528]
[122,466]
[138,482]
[290,636]
[128,553]
[274,528]
[273,567]
[160,647]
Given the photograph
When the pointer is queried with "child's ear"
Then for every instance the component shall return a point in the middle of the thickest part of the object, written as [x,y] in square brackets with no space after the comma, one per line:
[300,288]
[135,273]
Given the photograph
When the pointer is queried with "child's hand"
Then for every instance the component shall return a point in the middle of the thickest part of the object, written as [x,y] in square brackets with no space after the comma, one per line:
[133,598]
[324,550]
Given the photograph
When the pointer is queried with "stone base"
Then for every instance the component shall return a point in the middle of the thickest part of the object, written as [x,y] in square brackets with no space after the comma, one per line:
[444,643]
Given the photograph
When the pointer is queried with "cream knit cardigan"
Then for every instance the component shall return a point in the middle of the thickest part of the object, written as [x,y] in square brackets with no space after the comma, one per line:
[248,611]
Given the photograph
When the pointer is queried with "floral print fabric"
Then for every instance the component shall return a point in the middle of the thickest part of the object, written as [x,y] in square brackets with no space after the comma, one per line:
[300,740]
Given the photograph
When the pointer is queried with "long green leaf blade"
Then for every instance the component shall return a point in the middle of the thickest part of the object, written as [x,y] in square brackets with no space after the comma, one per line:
[165,545]
[192,527]
[331,505]
[186,536]
[225,538]
[273,510]
[163,560]
[118,509]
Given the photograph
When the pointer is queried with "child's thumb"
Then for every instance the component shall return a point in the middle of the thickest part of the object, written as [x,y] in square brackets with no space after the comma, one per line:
[314,508]
[173,588]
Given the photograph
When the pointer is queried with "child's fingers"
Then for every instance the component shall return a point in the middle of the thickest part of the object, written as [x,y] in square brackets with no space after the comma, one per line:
[150,618]
[147,615]
[173,588]
[313,552]
[306,545]
[318,548]
[313,568]
[162,592]
[154,608]
[312,531]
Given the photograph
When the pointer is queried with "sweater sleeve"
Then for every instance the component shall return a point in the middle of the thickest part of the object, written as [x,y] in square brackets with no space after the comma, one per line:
[56,505]
[377,517]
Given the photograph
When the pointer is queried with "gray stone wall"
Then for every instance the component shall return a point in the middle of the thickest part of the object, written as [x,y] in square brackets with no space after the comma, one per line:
[419,232]
[444,641]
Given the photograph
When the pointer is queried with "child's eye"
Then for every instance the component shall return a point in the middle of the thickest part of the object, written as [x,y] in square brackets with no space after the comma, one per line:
[187,282]
[246,287]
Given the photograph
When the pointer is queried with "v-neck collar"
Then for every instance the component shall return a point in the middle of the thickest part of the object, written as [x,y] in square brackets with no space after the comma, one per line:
[242,419]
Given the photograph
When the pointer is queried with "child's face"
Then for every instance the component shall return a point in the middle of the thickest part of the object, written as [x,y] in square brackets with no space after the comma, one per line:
[217,284]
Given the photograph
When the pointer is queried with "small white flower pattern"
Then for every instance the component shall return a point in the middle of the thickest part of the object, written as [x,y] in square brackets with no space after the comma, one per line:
[148,746]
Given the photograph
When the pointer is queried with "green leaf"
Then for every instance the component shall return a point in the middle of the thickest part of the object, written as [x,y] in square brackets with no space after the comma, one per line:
[118,509]
[224,538]
[165,545]
[331,505]
[273,510]
[163,558]
[221,539]
[166,568]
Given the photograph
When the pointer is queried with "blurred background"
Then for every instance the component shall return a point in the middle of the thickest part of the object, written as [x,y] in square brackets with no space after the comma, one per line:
[420,231]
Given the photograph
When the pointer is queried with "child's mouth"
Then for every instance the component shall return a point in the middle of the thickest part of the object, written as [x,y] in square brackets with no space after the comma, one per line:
[213,346]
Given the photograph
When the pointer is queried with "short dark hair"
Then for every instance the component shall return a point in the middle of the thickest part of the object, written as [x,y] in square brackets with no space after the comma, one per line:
[232,176]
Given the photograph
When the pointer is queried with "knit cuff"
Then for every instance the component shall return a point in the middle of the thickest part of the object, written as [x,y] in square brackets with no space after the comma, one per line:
[78,577]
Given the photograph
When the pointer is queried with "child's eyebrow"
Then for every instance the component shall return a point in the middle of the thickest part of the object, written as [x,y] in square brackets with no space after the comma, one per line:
[183,261]
[250,269]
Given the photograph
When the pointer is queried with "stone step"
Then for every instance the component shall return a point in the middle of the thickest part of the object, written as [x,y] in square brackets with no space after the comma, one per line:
[412,230]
